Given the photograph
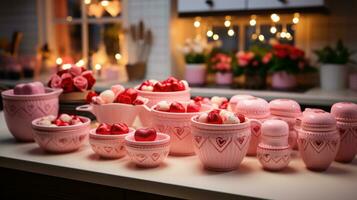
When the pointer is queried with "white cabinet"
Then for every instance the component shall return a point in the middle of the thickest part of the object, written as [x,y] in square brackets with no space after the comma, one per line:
[189,6]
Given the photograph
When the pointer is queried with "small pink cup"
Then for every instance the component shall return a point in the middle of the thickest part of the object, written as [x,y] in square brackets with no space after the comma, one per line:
[177,125]
[156,97]
[220,147]
[148,153]
[346,117]
[21,110]
[235,99]
[287,110]
[108,146]
[61,139]
[318,139]
[257,110]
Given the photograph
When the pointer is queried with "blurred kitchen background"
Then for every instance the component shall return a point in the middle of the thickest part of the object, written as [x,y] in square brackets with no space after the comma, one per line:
[271,48]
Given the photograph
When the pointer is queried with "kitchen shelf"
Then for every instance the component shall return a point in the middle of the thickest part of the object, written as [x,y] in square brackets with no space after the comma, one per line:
[183,177]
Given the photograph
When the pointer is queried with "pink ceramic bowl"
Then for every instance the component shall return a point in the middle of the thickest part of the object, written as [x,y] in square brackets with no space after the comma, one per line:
[257,110]
[156,97]
[23,109]
[61,139]
[150,153]
[235,99]
[220,147]
[346,116]
[273,158]
[112,113]
[177,125]
[108,146]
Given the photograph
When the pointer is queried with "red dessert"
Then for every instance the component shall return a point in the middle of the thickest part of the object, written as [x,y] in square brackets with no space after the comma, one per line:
[145,134]
[103,129]
[177,107]
[171,84]
[214,117]
[194,107]
[115,129]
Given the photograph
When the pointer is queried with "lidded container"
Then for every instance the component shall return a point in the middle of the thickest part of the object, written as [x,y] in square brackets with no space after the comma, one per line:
[318,139]
[345,114]
[236,98]
[273,151]
[257,110]
[287,110]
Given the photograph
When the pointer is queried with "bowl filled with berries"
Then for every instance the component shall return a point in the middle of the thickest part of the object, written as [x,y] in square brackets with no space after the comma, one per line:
[147,148]
[65,133]
[173,118]
[221,139]
[115,105]
[107,140]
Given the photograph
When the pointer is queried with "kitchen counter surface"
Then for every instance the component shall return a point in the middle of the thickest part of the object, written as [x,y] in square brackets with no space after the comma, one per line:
[183,177]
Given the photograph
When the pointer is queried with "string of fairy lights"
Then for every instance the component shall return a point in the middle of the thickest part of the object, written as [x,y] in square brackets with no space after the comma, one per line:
[253,22]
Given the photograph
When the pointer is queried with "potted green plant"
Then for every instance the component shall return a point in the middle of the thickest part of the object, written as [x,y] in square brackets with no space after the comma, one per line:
[333,69]
[287,62]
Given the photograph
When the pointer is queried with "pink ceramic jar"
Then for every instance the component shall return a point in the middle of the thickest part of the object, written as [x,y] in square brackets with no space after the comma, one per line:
[318,139]
[23,109]
[220,147]
[257,110]
[273,151]
[287,110]
[235,99]
[346,117]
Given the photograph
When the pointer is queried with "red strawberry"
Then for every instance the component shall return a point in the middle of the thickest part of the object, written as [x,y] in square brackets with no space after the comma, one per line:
[90,95]
[123,98]
[167,87]
[132,93]
[145,134]
[198,99]
[103,129]
[241,118]
[170,79]
[159,87]
[194,107]
[119,128]
[177,107]
[178,86]
[145,83]
[214,117]
[224,105]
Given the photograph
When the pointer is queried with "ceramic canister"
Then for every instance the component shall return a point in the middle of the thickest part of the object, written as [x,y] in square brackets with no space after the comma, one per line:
[287,110]
[235,99]
[273,151]
[318,139]
[346,117]
[257,110]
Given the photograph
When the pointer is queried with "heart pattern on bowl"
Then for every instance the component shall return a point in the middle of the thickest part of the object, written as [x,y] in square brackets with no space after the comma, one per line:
[220,143]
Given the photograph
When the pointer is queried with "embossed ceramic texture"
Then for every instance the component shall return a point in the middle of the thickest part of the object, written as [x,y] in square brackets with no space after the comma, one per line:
[220,147]
[155,97]
[148,153]
[21,110]
[346,116]
[273,158]
[318,139]
[287,110]
[108,146]
[257,109]
[177,125]
[61,139]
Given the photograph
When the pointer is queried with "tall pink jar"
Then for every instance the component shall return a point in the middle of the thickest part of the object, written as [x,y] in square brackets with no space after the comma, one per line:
[346,117]
[287,110]
[220,147]
[21,110]
[257,110]
[318,139]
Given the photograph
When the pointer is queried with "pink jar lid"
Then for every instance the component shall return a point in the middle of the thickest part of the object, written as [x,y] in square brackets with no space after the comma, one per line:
[318,120]
[239,97]
[285,107]
[275,132]
[344,111]
[253,108]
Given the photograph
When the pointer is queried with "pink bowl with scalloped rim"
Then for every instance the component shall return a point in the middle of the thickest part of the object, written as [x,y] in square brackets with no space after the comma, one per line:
[220,147]
[346,116]
[23,109]
[318,139]
[257,109]
[148,153]
[156,97]
[177,125]
[272,157]
[61,139]
[108,146]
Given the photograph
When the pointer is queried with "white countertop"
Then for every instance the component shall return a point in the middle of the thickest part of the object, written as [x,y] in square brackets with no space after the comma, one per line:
[183,177]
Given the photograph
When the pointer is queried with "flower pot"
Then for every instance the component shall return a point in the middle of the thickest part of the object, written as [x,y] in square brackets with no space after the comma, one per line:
[333,76]
[195,74]
[283,80]
[255,81]
[223,78]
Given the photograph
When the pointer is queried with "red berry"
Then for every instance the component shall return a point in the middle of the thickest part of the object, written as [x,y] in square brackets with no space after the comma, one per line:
[145,83]
[241,118]
[194,107]
[132,93]
[170,79]
[159,87]
[224,105]
[177,107]
[214,117]
[90,95]
[103,129]
[198,99]
[123,98]
[119,128]
[145,134]
[167,87]
[178,86]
